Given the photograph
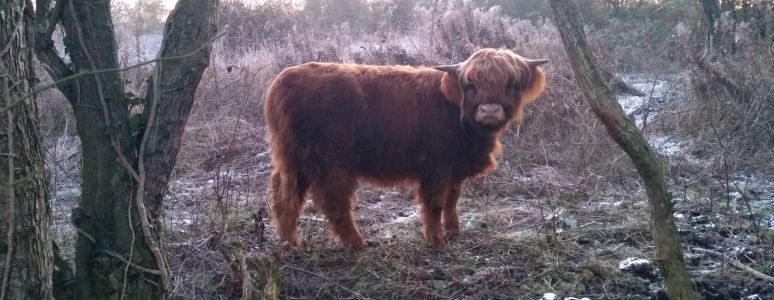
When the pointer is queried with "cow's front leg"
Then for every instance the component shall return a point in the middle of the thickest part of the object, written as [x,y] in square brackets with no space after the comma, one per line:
[450,220]
[432,197]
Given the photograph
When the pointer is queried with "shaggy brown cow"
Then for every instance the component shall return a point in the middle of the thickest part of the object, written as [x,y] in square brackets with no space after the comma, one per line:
[331,125]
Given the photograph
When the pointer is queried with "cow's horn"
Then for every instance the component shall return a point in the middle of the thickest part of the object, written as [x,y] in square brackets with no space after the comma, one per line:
[536,62]
[454,69]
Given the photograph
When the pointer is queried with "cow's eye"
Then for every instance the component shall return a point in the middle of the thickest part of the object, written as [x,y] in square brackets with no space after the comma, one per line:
[469,87]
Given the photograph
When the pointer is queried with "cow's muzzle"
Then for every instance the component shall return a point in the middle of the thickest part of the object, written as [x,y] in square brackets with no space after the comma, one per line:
[490,114]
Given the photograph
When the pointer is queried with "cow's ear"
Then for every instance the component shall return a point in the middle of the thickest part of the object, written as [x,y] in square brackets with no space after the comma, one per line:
[532,89]
[450,86]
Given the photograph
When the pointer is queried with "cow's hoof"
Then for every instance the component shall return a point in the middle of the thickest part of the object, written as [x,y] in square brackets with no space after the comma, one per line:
[355,244]
[437,241]
[288,245]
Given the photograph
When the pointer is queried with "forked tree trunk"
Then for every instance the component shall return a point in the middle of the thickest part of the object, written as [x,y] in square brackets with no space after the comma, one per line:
[26,258]
[123,180]
[669,254]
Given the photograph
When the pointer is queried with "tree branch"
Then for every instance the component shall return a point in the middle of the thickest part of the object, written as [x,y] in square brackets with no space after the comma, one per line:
[45,23]
[737,264]
[66,79]
[191,26]
[53,18]
[717,73]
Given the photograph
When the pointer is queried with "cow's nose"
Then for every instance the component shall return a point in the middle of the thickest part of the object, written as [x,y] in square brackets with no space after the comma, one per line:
[491,109]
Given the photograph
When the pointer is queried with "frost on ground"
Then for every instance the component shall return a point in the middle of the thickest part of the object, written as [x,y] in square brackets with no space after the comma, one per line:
[527,230]
[63,156]
[657,91]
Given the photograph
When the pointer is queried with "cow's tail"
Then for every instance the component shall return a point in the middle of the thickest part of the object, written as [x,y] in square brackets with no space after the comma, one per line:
[286,196]
[286,187]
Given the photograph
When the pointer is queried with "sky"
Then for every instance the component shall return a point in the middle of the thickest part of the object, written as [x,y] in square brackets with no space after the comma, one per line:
[169,4]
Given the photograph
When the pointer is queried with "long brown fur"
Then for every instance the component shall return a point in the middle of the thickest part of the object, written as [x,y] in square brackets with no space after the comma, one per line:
[331,125]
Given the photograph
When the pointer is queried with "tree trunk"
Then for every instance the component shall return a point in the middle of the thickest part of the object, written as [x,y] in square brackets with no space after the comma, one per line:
[711,13]
[179,79]
[26,258]
[669,254]
[115,226]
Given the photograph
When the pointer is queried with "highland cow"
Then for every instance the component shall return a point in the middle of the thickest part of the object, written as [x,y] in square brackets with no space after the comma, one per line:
[332,125]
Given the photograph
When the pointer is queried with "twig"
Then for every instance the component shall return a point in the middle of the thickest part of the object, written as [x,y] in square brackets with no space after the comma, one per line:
[113,254]
[131,248]
[16,28]
[140,192]
[93,72]
[671,114]
[729,182]
[736,264]
[11,193]
[356,294]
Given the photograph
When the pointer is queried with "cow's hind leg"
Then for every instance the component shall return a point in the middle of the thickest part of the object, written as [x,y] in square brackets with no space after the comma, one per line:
[433,199]
[286,196]
[334,196]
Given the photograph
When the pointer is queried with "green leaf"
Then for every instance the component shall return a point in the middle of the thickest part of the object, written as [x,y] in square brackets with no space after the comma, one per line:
[135,124]
[3,246]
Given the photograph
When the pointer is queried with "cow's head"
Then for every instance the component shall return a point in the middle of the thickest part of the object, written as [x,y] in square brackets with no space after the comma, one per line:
[493,86]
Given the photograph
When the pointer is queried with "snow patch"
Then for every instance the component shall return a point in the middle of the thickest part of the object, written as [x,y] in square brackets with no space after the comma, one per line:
[631,262]
[548,296]
[553,296]
[666,145]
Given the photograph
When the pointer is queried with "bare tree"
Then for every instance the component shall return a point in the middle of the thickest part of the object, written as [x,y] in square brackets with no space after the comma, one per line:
[669,253]
[127,159]
[26,258]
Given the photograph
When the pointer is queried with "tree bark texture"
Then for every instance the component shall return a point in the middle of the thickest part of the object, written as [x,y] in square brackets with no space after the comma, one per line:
[26,258]
[113,220]
[669,254]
